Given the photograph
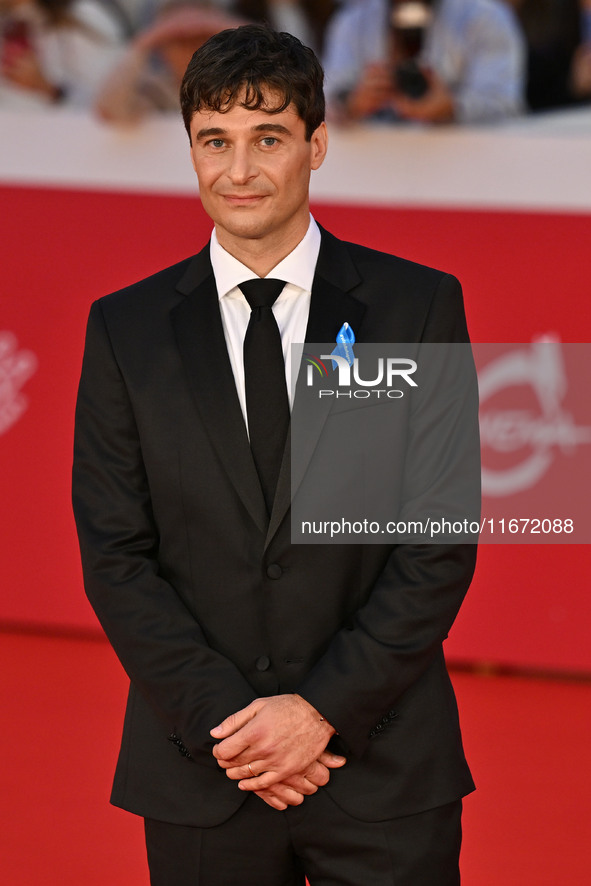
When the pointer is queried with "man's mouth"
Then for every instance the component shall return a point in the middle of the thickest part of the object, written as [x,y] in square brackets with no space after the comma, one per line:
[243,199]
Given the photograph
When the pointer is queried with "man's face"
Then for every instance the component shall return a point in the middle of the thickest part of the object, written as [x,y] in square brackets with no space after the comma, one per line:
[254,171]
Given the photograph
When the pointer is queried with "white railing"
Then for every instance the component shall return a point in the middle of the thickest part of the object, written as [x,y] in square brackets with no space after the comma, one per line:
[538,162]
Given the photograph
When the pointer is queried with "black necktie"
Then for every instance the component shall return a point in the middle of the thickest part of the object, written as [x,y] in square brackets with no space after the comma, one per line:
[267,404]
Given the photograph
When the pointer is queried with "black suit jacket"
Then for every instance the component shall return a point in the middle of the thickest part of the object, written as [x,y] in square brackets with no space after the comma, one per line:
[209,606]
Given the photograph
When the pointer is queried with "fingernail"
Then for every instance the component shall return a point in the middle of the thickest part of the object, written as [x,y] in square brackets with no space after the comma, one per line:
[216,730]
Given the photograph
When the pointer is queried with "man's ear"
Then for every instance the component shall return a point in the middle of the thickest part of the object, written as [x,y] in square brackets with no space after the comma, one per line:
[193,159]
[319,146]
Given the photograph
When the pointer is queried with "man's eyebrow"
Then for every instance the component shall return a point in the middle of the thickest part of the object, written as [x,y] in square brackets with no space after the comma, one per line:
[272,127]
[213,130]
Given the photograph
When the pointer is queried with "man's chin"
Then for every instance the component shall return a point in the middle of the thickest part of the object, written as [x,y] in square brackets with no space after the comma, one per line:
[246,228]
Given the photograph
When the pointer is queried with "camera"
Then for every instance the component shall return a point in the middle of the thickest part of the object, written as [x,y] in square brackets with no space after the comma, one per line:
[409,22]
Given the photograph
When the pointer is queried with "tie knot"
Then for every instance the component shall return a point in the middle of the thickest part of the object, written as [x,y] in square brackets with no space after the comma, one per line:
[261,292]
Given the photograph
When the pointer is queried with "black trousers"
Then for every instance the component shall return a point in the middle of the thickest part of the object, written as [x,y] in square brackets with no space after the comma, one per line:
[259,846]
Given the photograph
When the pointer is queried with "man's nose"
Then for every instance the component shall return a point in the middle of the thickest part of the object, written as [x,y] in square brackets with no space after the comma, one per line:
[242,166]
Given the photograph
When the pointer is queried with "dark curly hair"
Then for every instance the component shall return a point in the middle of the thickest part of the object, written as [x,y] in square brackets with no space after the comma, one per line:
[246,63]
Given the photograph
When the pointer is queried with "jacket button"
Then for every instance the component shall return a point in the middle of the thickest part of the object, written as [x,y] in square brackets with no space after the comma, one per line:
[263,663]
[274,571]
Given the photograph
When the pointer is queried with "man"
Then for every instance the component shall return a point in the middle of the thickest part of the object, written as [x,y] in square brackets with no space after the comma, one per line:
[246,653]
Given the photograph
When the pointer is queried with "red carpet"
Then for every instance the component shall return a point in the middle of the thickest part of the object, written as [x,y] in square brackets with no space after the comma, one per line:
[529,824]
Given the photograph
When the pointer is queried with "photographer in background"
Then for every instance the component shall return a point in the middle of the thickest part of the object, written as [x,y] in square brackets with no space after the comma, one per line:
[148,77]
[55,51]
[435,61]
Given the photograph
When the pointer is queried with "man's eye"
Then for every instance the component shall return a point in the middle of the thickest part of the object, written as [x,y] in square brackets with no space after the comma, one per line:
[269,141]
[217,143]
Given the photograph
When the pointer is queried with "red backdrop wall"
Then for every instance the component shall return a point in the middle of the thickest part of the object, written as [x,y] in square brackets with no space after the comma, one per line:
[524,274]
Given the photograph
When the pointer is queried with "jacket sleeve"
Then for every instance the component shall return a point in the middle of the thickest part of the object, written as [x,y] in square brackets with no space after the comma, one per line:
[398,632]
[159,642]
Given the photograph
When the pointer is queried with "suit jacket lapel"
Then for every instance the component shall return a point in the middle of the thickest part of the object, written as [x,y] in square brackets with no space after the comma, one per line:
[198,327]
[331,305]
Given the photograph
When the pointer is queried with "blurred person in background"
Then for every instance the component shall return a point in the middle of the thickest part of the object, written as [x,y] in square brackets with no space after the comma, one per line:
[141,13]
[581,67]
[558,36]
[436,61]
[305,19]
[148,77]
[55,51]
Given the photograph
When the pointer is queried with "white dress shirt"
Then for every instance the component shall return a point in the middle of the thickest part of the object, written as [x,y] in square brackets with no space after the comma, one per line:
[290,310]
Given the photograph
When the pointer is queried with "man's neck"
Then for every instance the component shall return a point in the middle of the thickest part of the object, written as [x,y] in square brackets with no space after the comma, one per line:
[263,254]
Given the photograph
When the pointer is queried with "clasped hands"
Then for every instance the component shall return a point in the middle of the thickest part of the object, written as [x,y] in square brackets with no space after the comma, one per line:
[284,739]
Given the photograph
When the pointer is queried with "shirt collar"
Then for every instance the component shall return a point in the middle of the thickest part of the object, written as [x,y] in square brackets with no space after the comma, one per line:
[297,268]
